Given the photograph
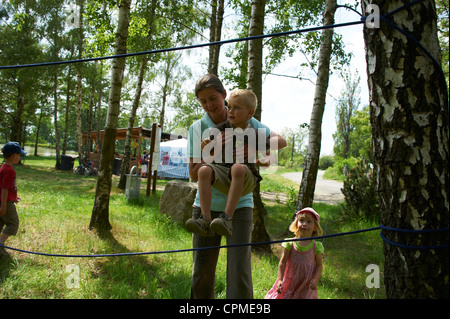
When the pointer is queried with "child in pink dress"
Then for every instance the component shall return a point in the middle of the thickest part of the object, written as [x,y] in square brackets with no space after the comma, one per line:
[300,266]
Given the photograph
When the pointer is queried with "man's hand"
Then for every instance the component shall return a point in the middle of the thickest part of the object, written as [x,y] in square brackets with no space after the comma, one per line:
[265,161]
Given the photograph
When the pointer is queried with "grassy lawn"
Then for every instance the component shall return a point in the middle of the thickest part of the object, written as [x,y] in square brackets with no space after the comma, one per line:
[55,212]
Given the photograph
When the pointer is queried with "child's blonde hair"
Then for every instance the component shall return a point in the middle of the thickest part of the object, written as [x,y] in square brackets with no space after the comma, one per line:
[249,97]
[307,211]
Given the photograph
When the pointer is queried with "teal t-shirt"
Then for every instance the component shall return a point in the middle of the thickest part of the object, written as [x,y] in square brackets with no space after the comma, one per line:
[198,131]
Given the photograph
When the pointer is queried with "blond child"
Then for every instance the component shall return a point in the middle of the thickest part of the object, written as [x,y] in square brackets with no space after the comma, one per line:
[300,266]
[234,178]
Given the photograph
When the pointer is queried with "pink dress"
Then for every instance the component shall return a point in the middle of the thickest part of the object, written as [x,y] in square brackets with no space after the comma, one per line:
[297,275]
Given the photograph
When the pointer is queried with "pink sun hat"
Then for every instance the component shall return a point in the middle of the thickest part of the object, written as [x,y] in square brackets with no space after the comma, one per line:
[311,211]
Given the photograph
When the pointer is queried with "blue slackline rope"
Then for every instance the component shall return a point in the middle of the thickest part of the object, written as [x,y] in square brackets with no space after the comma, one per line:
[188,249]
[362,20]
[412,231]
[272,35]
[256,244]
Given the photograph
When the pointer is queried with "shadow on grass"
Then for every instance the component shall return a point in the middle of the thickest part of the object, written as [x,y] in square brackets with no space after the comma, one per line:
[44,178]
[6,266]
[138,276]
[145,201]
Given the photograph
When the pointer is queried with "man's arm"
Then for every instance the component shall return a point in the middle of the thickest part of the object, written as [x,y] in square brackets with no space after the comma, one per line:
[277,141]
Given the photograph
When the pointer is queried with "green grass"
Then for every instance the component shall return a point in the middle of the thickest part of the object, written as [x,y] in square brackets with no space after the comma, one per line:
[55,212]
[277,183]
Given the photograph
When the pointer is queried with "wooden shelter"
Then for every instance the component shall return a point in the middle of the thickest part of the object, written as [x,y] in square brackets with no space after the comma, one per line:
[137,134]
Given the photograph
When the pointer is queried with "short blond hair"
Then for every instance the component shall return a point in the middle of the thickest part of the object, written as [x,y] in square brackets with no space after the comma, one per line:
[249,97]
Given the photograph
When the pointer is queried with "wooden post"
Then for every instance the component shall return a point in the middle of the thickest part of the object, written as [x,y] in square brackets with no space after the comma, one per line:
[150,164]
[155,175]
[152,149]
[140,144]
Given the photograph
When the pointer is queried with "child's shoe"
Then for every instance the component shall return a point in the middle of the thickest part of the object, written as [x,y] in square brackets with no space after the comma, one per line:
[222,225]
[198,226]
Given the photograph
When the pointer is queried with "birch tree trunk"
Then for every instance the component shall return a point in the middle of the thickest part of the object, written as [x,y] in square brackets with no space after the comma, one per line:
[410,130]
[309,176]
[125,166]
[17,127]
[217,10]
[38,129]
[55,119]
[100,212]
[165,88]
[254,83]
[99,111]
[79,86]
[66,125]
[90,115]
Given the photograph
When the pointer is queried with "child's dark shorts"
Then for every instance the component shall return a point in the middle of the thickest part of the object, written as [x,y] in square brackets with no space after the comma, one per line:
[10,220]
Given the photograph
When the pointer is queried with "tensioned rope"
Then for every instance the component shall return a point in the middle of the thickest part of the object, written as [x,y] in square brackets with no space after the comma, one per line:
[421,231]
[194,249]
[255,244]
[188,47]
[363,19]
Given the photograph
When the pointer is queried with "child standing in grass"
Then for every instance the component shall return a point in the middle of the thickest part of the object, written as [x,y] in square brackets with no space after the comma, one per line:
[300,266]
[8,199]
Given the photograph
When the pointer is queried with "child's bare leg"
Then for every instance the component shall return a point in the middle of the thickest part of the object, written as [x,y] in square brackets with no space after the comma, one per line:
[205,177]
[238,172]
[3,238]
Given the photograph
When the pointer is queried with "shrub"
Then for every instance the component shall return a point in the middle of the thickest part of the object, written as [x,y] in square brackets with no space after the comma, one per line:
[292,197]
[337,170]
[297,162]
[360,193]
[325,162]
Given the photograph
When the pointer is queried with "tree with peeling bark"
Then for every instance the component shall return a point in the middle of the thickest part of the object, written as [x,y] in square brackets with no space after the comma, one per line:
[80,83]
[156,24]
[410,127]
[125,165]
[254,83]
[217,10]
[142,69]
[100,212]
[309,176]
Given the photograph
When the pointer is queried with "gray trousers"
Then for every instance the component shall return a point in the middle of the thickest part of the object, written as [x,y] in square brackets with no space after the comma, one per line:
[239,271]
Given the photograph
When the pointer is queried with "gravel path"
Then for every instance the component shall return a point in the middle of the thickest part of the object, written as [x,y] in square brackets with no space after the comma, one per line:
[327,191]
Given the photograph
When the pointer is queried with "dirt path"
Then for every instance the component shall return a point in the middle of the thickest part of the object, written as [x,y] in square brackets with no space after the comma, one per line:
[327,191]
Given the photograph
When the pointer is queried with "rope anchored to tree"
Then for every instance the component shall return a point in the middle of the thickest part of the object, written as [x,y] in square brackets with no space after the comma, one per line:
[253,244]
[363,19]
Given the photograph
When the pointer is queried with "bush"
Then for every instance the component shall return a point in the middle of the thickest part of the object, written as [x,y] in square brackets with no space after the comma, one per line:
[360,194]
[337,170]
[297,162]
[325,162]
[292,197]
